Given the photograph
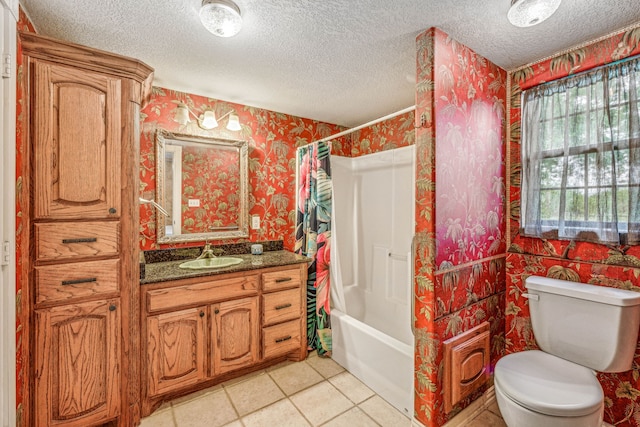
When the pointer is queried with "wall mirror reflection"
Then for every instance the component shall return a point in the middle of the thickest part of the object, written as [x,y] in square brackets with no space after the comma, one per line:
[203,184]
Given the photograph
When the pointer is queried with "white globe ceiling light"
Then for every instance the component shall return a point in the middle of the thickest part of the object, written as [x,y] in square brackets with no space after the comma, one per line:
[221,17]
[525,13]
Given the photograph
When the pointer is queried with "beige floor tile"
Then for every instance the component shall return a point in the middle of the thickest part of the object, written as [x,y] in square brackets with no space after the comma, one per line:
[253,394]
[326,366]
[281,414]
[352,418]
[234,424]
[384,414]
[351,387]
[160,418]
[210,410]
[196,395]
[487,419]
[494,408]
[295,377]
[321,403]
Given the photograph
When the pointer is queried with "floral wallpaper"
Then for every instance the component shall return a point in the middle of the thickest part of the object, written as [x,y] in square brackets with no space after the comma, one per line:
[460,266]
[213,178]
[389,134]
[24,24]
[605,265]
[273,139]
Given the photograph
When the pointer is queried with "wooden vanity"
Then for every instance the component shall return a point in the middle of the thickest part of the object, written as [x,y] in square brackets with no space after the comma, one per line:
[200,331]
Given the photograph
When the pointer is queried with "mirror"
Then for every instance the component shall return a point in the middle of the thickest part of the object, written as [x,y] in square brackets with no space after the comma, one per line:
[202,184]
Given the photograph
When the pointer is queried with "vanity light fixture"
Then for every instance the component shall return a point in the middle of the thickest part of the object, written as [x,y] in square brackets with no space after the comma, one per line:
[221,17]
[526,13]
[207,120]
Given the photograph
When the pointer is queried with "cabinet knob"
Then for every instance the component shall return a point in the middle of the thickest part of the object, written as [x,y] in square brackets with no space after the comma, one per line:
[112,210]
[216,311]
[112,307]
[202,314]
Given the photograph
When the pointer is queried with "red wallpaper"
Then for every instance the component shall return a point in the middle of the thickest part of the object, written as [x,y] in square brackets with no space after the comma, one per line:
[460,265]
[23,25]
[578,261]
[273,138]
[210,175]
[393,133]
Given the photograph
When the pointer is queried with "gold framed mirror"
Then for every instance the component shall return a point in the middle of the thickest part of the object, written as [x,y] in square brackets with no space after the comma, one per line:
[203,184]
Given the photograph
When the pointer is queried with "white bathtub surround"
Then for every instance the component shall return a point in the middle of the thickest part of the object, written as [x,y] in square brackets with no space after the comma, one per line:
[371,279]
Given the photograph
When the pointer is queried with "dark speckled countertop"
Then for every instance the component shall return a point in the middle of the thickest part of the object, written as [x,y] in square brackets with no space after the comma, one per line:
[170,270]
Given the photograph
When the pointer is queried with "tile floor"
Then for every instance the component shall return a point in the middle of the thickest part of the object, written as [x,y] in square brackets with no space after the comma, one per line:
[286,396]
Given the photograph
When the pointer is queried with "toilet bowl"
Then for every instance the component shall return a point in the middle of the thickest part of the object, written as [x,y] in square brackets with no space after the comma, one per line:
[579,329]
[536,389]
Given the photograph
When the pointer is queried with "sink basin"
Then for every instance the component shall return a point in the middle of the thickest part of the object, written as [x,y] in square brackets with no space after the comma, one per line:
[217,262]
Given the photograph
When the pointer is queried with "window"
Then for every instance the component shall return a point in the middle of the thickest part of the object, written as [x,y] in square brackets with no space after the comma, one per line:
[581,156]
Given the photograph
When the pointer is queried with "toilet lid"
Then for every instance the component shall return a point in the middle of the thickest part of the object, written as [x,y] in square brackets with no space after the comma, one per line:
[548,385]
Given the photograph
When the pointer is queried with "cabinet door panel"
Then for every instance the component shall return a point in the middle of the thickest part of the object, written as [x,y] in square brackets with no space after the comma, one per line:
[176,350]
[77,363]
[77,143]
[235,334]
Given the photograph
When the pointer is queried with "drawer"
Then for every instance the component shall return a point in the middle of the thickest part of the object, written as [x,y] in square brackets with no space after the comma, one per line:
[281,279]
[62,282]
[201,293]
[67,241]
[281,339]
[280,306]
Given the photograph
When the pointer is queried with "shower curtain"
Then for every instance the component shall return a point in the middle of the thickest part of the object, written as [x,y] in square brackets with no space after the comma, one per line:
[313,238]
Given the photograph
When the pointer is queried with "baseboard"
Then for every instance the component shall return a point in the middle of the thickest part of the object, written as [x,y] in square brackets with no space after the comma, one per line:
[473,410]
[469,413]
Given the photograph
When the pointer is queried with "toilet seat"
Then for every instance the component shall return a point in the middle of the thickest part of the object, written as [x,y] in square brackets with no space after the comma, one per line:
[548,385]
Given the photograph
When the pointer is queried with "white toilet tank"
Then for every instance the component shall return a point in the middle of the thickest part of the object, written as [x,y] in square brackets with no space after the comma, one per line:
[593,326]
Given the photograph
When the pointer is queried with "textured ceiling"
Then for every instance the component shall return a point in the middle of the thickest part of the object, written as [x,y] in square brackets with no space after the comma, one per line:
[338,61]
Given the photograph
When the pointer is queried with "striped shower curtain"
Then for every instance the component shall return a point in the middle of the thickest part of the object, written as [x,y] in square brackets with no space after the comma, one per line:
[313,237]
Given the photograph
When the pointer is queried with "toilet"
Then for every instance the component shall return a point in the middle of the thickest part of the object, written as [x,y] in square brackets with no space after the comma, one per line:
[579,329]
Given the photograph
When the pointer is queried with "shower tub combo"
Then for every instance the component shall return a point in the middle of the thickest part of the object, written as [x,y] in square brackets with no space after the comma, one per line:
[371,279]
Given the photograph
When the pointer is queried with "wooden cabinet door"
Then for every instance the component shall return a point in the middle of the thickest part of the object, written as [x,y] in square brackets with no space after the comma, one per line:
[235,334]
[77,374]
[77,139]
[176,350]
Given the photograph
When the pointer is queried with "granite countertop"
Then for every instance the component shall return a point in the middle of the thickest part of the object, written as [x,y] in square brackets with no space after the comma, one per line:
[170,270]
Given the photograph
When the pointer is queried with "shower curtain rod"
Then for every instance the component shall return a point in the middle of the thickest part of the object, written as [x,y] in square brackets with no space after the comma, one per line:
[372,122]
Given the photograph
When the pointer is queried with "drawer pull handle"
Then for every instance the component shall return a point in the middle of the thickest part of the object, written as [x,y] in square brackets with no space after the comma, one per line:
[202,314]
[216,311]
[112,307]
[81,240]
[78,281]
[283,306]
[284,279]
[287,338]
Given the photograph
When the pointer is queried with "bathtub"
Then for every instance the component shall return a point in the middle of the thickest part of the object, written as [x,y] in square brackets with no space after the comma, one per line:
[371,271]
[369,355]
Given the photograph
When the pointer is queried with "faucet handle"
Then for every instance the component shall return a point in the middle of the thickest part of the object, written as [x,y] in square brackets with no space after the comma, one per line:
[217,251]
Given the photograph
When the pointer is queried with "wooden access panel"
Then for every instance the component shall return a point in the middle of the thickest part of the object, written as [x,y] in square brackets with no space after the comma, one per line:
[466,365]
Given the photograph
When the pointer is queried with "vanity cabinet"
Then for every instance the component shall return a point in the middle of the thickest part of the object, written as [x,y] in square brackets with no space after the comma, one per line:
[234,335]
[80,296]
[204,330]
[176,345]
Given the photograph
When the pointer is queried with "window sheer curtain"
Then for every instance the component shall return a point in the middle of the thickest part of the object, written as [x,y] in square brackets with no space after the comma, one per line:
[581,156]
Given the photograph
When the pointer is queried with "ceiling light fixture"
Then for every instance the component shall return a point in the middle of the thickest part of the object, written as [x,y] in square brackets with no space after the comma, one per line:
[207,120]
[525,13]
[221,17]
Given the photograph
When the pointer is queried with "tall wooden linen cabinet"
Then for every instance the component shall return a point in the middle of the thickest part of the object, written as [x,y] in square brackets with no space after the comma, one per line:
[79,260]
